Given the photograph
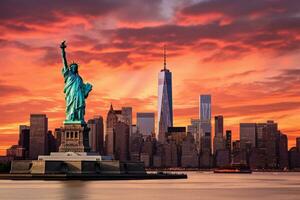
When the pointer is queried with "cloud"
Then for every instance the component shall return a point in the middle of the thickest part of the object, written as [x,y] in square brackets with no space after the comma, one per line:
[6,90]
[240,9]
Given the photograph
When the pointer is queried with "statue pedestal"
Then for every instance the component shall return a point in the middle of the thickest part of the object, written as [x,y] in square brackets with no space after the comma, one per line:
[74,137]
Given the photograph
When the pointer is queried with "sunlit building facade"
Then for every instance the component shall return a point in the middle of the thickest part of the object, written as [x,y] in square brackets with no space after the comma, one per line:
[165,104]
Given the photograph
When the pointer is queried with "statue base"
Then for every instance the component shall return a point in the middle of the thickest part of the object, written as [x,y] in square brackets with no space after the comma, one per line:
[74,137]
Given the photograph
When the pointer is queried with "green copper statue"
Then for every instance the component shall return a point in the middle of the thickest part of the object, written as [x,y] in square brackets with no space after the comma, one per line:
[75,90]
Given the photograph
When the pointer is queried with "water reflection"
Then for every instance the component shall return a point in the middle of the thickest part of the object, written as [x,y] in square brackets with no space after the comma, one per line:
[265,186]
[73,190]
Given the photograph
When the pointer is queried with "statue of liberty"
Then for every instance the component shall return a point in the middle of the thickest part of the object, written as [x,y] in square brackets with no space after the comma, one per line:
[75,90]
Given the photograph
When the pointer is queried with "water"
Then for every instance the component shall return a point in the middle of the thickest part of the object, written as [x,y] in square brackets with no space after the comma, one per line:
[199,185]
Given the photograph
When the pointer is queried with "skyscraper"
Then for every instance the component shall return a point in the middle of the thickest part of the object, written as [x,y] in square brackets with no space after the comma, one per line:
[121,137]
[205,121]
[298,143]
[24,135]
[165,103]
[111,121]
[248,135]
[96,140]
[38,135]
[205,107]
[194,129]
[113,117]
[145,123]
[219,143]
[228,140]
[127,117]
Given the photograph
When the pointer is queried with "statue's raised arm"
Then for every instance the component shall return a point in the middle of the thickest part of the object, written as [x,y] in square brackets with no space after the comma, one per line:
[63,46]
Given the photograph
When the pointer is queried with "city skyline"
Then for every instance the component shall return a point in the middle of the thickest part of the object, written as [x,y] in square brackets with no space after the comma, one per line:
[122,55]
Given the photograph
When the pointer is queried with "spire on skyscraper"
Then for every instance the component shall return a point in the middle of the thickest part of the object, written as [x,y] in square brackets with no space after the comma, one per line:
[165,58]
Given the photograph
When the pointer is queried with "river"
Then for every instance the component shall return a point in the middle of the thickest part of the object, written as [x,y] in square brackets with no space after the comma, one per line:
[199,185]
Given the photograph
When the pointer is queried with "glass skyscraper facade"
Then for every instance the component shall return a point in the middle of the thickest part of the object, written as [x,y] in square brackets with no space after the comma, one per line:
[165,103]
[205,120]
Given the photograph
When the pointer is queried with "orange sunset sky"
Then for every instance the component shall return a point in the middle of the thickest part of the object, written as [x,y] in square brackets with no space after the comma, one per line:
[244,53]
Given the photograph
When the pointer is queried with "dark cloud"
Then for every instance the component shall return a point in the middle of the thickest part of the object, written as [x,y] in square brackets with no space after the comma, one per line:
[16,44]
[229,52]
[43,12]
[6,90]
[240,9]
[40,12]
[258,109]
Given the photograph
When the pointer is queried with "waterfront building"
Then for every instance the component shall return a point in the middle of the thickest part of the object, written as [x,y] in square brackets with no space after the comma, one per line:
[219,143]
[222,158]
[283,157]
[272,144]
[145,123]
[113,117]
[294,158]
[96,137]
[121,141]
[135,144]
[24,139]
[165,102]
[228,137]
[176,134]
[16,152]
[52,143]
[298,143]
[194,129]
[57,135]
[171,154]
[38,135]
[205,121]
[247,135]
[189,154]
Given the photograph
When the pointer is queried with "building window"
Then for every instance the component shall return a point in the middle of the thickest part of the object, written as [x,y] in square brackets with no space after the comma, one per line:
[68,134]
[76,134]
[72,134]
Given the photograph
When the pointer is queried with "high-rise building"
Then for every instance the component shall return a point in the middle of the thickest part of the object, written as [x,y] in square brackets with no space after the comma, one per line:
[96,138]
[127,117]
[121,135]
[171,154]
[135,144]
[24,139]
[205,107]
[38,135]
[176,134]
[165,102]
[205,121]
[272,144]
[16,151]
[219,143]
[261,135]
[189,153]
[298,143]
[145,123]
[194,129]
[57,135]
[113,117]
[228,137]
[247,135]
[111,121]
[283,156]
[51,143]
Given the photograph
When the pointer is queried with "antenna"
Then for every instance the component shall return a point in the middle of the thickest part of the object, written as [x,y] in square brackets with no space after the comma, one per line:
[165,58]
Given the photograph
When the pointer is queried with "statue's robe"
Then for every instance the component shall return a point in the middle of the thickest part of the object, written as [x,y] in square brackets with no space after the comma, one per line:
[75,93]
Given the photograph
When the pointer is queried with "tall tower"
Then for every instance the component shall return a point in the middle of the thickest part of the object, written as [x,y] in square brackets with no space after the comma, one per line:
[205,121]
[38,135]
[219,143]
[165,103]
